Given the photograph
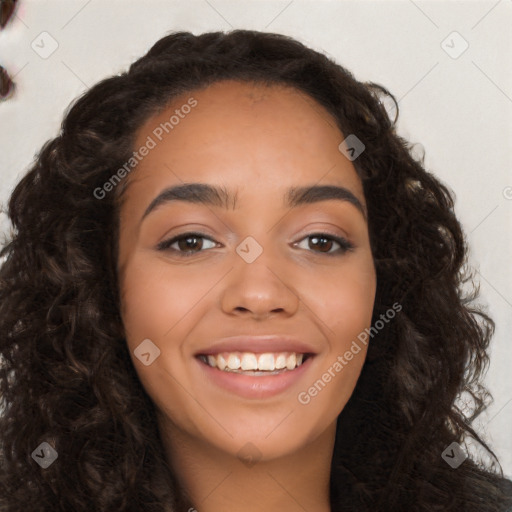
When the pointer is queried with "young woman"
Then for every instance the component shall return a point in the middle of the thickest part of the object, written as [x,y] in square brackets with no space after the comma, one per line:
[231,287]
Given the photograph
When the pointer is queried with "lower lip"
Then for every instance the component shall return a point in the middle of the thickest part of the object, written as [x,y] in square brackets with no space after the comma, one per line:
[255,386]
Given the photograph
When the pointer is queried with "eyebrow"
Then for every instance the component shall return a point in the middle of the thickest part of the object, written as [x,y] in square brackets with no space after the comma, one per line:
[203,193]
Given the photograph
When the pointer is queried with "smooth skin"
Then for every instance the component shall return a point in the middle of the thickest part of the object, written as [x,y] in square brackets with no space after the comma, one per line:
[255,141]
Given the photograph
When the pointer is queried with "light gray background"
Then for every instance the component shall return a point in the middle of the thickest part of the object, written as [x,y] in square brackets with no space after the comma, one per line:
[459,109]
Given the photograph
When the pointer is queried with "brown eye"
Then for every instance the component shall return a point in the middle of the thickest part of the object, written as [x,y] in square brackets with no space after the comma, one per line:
[323,243]
[186,244]
[190,243]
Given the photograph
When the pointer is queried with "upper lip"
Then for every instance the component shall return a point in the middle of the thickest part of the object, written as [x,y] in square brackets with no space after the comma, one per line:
[257,344]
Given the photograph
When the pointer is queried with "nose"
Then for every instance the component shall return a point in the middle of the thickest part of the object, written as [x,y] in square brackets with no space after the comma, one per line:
[260,289]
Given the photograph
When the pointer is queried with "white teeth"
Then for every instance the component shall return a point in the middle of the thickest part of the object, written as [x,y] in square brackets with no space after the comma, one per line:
[233,362]
[248,361]
[280,362]
[221,362]
[266,362]
[291,361]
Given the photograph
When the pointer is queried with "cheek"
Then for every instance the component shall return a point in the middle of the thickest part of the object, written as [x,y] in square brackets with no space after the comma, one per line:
[154,301]
[351,308]
[344,304]
[158,303]
[351,315]
[157,295]
[342,298]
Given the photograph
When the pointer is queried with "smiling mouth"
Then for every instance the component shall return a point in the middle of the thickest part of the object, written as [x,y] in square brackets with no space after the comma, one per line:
[250,363]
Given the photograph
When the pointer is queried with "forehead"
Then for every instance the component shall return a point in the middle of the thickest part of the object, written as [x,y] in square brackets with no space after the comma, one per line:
[229,106]
[240,133]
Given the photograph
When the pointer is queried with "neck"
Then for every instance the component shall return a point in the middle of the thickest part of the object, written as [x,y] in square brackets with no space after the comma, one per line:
[216,481]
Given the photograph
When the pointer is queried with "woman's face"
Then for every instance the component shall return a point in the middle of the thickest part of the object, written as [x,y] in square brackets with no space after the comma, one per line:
[267,283]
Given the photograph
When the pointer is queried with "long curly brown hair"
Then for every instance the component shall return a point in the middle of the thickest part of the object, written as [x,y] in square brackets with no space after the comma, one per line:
[67,378]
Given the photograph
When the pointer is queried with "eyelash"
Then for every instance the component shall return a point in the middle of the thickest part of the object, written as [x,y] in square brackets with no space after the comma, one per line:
[165,245]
